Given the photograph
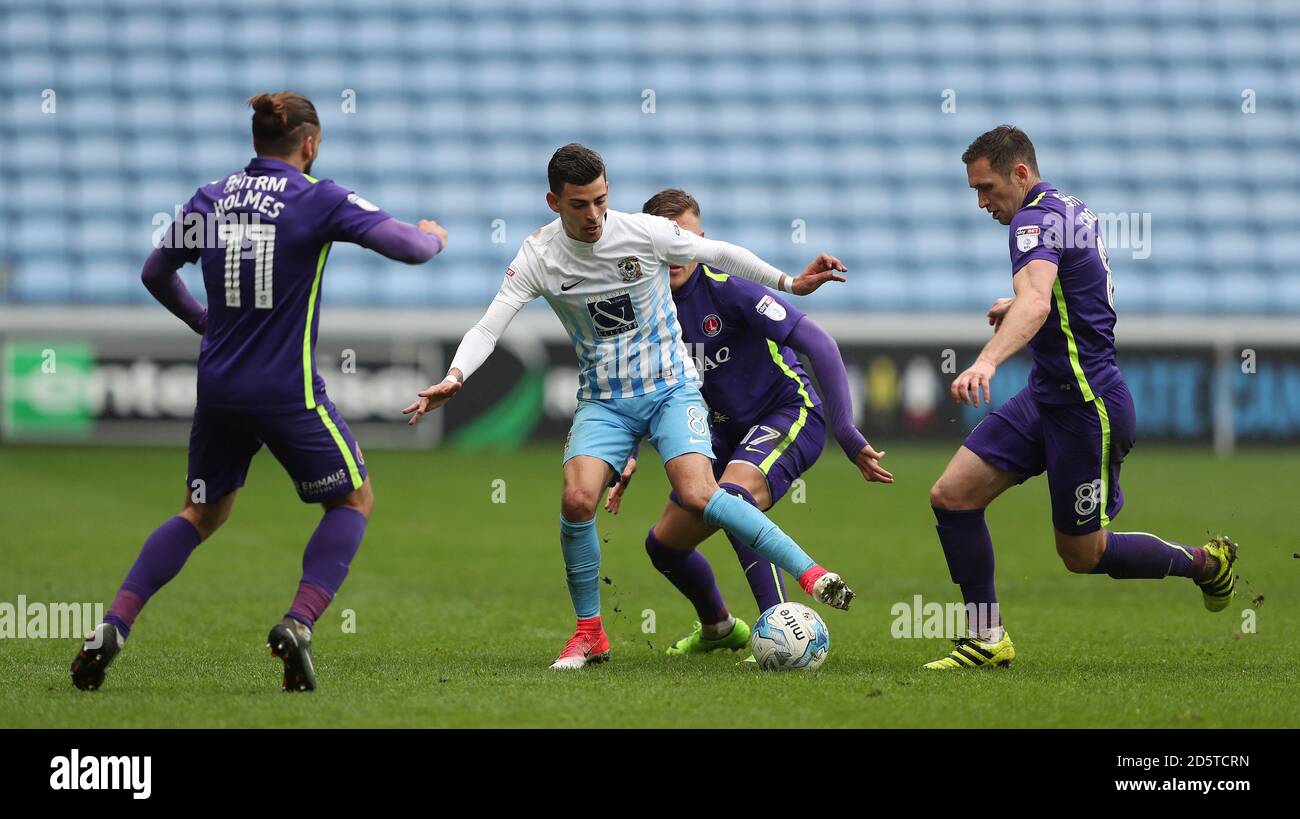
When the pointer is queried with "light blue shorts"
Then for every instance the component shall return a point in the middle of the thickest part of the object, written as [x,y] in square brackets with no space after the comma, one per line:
[675,420]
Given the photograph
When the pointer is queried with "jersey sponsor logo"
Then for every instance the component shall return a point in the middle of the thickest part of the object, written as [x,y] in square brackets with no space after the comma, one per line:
[770,307]
[712,325]
[629,268]
[705,362]
[612,315]
[320,486]
[721,356]
[364,204]
[1027,237]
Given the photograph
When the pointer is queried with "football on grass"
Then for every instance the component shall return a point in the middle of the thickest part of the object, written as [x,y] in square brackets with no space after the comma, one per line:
[789,637]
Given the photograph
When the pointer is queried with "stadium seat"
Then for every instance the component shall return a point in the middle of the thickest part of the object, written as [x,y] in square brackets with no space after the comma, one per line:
[836,120]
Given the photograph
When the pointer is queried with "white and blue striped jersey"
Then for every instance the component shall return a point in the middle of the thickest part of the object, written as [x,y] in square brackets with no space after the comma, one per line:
[614,300]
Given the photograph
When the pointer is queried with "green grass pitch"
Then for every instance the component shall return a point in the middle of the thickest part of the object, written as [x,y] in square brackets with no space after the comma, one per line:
[460,603]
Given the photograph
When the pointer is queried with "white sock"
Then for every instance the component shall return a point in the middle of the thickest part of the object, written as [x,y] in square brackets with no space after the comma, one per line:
[718,630]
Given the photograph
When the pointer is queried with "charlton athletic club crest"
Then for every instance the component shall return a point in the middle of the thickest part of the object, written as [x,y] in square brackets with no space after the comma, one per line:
[629,267]
[712,325]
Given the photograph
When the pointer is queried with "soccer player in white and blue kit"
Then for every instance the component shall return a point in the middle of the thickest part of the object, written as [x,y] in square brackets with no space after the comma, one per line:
[605,274]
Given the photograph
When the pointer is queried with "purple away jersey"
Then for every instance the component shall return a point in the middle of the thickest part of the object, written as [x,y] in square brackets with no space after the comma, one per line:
[1074,350]
[736,331]
[1075,419]
[263,279]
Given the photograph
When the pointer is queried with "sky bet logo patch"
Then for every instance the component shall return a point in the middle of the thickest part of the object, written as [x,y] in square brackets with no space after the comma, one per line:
[612,316]
[1027,236]
[770,307]
[364,204]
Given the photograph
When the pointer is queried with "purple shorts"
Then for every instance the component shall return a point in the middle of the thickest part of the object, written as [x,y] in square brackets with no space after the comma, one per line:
[314,446]
[782,445]
[1081,447]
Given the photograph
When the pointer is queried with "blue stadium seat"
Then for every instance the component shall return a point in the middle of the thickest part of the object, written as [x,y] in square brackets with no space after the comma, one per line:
[43,279]
[829,113]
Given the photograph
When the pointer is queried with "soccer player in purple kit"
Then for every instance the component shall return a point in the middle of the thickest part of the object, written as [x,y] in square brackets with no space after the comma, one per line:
[262,235]
[766,419]
[1075,420]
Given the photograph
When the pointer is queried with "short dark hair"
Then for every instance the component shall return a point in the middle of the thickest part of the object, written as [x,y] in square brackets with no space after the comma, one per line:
[671,202]
[1005,147]
[280,121]
[574,164]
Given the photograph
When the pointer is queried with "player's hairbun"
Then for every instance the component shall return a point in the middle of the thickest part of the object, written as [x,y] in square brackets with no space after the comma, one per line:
[268,105]
[280,120]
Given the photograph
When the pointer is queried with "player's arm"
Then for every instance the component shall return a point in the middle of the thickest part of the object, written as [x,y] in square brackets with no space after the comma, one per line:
[405,242]
[808,338]
[351,218]
[161,279]
[518,289]
[678,246]
[474,349]
[172,251]
[1020,321]
[999,311]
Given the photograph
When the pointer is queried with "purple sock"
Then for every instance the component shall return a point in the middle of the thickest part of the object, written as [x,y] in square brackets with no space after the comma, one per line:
[326,560]
[160,559]
[309,603]
[764,578]
[968,549]
[691,573]
[1130,555]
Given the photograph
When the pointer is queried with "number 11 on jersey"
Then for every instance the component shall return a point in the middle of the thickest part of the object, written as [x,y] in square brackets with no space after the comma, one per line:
[262,239]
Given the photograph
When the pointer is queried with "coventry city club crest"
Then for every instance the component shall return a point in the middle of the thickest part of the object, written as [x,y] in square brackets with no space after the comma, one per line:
[629,267]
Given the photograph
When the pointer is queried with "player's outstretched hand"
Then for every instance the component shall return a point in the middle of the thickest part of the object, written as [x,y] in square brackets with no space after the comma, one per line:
[998,312]
[614,499]
[431,399]
[430,226]
[868,461]
[967,386]
[825,268]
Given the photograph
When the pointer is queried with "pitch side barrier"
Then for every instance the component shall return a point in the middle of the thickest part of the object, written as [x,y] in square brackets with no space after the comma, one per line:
[126,376]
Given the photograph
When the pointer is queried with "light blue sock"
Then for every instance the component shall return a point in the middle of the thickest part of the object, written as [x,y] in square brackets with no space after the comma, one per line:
[752,527]
[581,547]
